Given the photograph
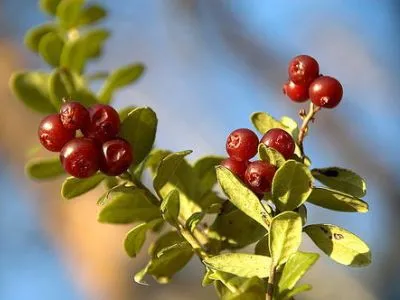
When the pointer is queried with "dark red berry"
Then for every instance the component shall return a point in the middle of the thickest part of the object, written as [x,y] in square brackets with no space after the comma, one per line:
[326,92]
[117,156]
[296,92]
[104,123]
[242,144]
[303,69]
[52,134]
[259,175]
[280,140]
[237,167]
[74,115]
[80,157]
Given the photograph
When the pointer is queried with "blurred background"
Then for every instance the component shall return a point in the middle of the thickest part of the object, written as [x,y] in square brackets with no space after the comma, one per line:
[211,63]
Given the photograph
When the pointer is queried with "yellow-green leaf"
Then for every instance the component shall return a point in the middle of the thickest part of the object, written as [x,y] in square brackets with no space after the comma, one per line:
[270,155]
[73,187]
[68,12]
[34,35]
[92,14]
[170,207]
[49,6]
[264,122]
[50,48]
[44,168]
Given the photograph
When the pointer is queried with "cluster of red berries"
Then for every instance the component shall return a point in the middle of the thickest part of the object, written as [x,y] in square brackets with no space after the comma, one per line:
[98,149]
[305,83]
[242,145]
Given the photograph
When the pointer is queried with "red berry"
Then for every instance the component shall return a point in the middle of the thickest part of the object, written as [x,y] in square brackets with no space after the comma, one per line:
[104,123]
[326,92]
[296,92]
[303,69]
[259,175]
[280,140]
[242,144]
[74,115]
[52,134]
[80,157]
[236,167]
[117,156]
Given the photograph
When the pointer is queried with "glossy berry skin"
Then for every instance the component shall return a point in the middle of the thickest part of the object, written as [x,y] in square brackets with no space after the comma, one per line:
[74,115]
[104,123]
[236,167]
[80,157]
[117,156]
[303,69]
[242,144]
[296,92]
[259,175]
[326,92]
[280,140]
[52,134]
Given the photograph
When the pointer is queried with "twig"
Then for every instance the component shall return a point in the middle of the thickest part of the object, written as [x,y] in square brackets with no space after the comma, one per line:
[309,117]
[271,282]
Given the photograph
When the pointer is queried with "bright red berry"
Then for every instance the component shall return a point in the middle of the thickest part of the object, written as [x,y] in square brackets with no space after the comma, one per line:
[326,92]
[74,115]
[104,123]
[303,69]
[52,134]
[242,144]
[236,167]
[80,157]
[296,92]
[117,156]
[280,140]
[259,175]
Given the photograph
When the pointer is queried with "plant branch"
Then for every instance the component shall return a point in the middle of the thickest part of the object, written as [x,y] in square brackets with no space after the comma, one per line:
[271,282]
[307,118]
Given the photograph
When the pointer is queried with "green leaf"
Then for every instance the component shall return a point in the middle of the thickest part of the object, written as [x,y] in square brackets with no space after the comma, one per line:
[120,78]
[342,180]
[291,186]
[241,264]
[291,126]
[92,14]
[139,129]
[44,168]
[297,290]
[136,237]
[61,85]
[73,187]
[205,170]
[167,169]
[34,36]
[302,211]
[270,155]
[338,201]
[128,205]
[49,6]
[94,41]
[250,288]
[193,220]
[206,278]
[124,112]
[262,247]
[74,56]
[211,202]
[110,182]
[165,241]
[170,207]
[84,96]
[236,230]
[284,236]
[31,88]
[68,12]
[264,122]
[295,268]
[340,244]
[242,197]
[154,159]
[50,48]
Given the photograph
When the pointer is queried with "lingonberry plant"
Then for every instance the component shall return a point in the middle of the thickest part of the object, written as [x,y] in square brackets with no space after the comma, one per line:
[215,208]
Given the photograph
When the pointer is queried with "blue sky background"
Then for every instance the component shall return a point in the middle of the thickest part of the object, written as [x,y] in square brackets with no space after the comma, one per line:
[202,90]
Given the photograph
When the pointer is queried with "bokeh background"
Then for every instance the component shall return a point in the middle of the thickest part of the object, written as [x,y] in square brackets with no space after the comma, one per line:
[211,63]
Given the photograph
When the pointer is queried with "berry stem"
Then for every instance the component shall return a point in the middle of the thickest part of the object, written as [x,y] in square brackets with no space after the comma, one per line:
[309,117]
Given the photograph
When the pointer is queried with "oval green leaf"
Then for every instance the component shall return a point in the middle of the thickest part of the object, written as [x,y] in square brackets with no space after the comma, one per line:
[205,170]
[241,264]
[49,6]
[139,129]
[295,291]
[31,89]
[68,12]
[61,86]
[170,207]
[120,78]
[291,186]
[284,236]
[74,56]
[340,244]
[50,48]
[94,41]
[242,197]
[264,122]
[342,180]
[92,14]
[270,155]
[44,168]
[73,187]
[34,36]
[337,201]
